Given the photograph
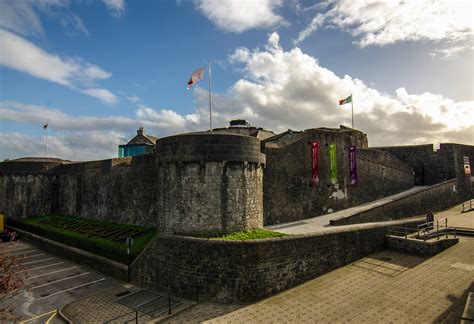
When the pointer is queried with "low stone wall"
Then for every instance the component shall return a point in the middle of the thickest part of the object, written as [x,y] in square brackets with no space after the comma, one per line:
[104,265]
[241,271]
[436,197]
[419,247]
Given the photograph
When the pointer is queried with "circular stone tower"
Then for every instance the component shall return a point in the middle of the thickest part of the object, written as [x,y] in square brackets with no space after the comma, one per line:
[209,183]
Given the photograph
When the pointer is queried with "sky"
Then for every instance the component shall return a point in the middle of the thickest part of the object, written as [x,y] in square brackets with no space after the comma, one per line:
[96,70]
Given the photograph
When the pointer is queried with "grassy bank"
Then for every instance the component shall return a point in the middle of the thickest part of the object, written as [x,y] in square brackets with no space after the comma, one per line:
[98,237]
[253,234]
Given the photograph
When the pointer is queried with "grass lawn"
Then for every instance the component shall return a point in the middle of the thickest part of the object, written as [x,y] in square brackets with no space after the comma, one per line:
[253,234]
[98,237]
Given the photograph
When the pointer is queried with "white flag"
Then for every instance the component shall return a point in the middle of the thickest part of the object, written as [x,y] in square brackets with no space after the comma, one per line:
[197,75]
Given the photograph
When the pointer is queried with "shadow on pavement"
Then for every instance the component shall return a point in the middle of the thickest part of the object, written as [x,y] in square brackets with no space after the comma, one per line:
[453,314]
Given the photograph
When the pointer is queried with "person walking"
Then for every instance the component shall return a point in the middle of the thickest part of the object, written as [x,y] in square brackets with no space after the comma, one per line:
[429,220]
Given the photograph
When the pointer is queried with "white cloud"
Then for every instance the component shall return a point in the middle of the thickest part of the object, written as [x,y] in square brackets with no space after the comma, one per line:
[239,16]
[116,7]
[22,16]
[375,22]
[102,94]
[22,55]
[169,120]
[133,99]
[281,90]
[94,145]
[58,120]
[285,89]
[84,137]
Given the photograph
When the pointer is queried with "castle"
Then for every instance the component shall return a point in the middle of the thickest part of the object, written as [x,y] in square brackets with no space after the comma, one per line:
[230,179]
[201,184]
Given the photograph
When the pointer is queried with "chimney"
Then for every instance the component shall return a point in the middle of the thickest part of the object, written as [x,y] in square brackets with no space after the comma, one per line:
[140,131]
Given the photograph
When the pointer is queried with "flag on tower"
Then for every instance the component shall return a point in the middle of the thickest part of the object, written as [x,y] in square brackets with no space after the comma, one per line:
[197,75]
[345,101]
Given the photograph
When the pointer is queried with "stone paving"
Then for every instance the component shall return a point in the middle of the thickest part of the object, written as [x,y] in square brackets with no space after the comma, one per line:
[110,306]
[456,218]
[385,287]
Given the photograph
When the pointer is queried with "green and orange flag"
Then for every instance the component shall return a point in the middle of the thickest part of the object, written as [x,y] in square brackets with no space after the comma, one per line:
[345,101]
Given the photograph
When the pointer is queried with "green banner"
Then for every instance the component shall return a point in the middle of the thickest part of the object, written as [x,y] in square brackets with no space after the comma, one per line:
[333,163]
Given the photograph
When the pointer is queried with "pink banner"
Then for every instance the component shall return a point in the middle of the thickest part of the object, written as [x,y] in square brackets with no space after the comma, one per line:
[353,165]
[315,163]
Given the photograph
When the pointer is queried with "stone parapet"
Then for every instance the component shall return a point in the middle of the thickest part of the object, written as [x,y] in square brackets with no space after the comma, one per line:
[209,147]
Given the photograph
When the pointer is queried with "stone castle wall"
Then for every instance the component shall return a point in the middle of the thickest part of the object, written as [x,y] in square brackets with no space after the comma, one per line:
[195,184]
[202,183]
[433,167]
[289,195]
[243,271]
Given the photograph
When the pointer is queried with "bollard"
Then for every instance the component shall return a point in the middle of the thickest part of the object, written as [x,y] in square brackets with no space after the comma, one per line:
[437,229]
[446,225]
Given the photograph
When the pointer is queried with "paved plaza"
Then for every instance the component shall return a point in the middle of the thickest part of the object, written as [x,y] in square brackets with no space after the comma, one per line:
[385,287]
[52,283]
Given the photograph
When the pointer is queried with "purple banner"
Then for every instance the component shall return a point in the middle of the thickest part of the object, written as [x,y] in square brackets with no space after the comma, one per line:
[315,163]
[353,164]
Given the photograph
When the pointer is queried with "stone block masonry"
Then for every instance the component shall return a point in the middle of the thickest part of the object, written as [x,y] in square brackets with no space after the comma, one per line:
[195,184]
[289,194]
[243,271]
[418,247]
[436,197]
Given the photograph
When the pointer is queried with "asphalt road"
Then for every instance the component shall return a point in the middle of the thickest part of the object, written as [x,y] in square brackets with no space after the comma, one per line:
[52,283]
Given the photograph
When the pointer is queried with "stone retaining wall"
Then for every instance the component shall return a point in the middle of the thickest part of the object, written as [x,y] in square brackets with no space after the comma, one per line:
[241,271]
[436,197]
[418,247]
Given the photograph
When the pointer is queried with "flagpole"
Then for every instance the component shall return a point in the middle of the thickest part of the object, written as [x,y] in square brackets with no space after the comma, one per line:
[210,98]
[46,145]
[352,105]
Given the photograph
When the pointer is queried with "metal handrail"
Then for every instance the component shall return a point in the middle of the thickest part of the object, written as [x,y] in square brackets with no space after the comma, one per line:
[440,226]
[404,230]
[426,230]
[469,203]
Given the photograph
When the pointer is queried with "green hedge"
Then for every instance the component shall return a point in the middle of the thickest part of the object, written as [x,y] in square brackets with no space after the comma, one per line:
[107,248]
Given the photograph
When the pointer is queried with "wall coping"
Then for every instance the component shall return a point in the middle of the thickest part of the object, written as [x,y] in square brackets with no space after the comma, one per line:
[272,240]
[421,242]
[454,180]
[212,147]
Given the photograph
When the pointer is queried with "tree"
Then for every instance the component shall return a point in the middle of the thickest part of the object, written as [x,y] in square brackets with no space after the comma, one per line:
[13,275]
